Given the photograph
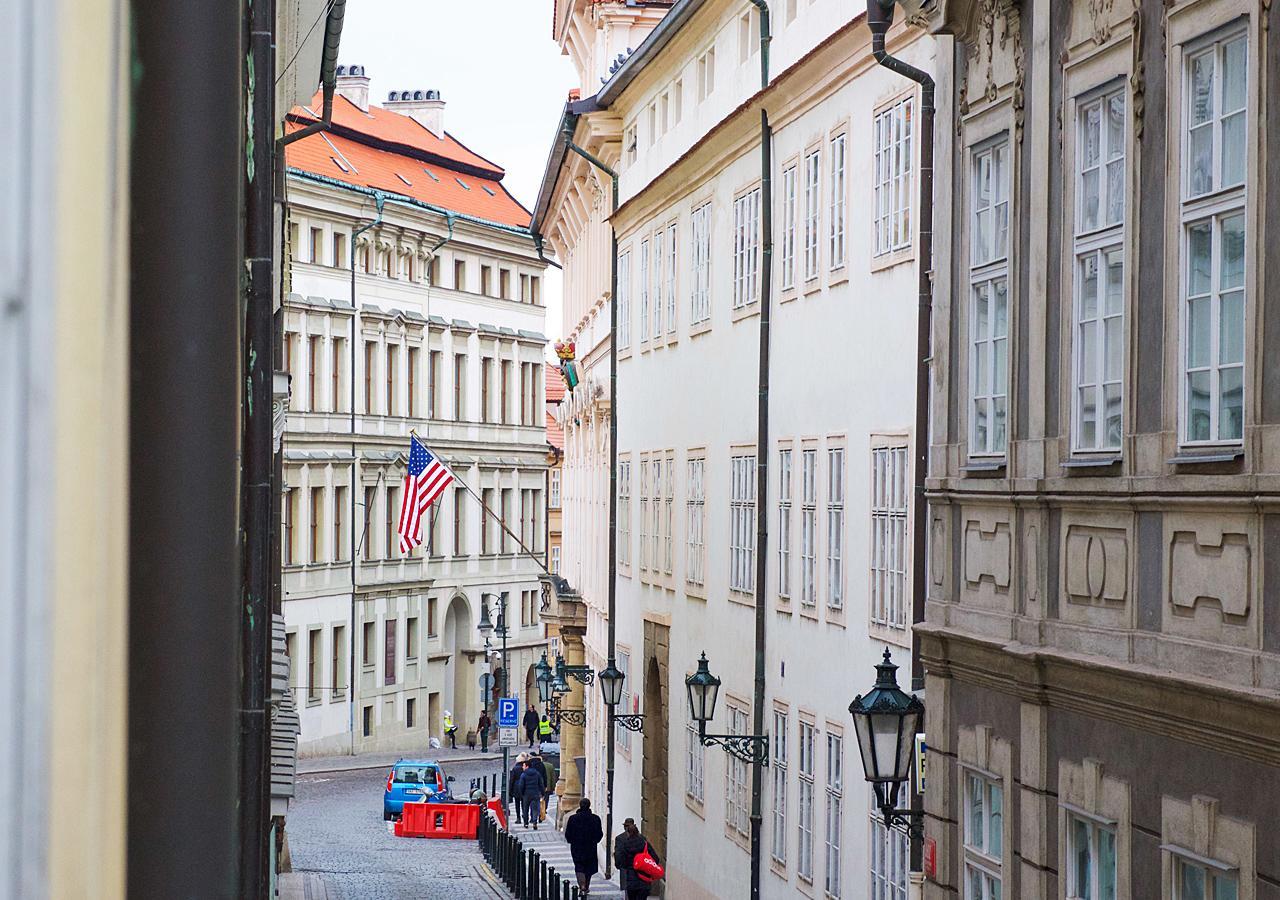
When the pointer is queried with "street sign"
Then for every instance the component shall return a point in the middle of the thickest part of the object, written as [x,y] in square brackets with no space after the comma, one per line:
[507,737]
[486,688]
[508,713]
[921,748]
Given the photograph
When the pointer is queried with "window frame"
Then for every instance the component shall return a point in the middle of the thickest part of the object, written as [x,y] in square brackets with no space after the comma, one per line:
[888,485]
[700,282]
[746,248]
[893,175]
[696,521]
[837,208]
[807,746]
[624,299]
[811,191]
[742,522]
[833,830]
[1095,829]
[778,751]
[786,477]
[787,261]
[834,545]
[979,858]
[989,272]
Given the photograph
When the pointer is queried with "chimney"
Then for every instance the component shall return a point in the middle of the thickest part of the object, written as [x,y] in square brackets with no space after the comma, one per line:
[425,107]
[354,85]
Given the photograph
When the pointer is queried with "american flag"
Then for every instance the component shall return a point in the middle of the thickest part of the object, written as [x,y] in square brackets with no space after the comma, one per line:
[425,480]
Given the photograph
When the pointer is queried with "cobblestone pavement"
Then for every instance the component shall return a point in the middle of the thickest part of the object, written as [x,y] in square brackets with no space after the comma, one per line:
[337,836]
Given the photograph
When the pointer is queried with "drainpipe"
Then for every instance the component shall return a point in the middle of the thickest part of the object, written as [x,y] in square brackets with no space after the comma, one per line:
[328,73]
[879,18]
[762,444]
[537,245]
[378,200]
[611,740]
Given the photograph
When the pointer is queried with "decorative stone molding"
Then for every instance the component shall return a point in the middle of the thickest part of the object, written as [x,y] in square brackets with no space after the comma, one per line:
[1085,790]
[1197,829]
[1211,578]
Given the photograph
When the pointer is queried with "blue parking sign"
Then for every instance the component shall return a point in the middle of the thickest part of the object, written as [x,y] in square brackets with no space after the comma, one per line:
[508,712]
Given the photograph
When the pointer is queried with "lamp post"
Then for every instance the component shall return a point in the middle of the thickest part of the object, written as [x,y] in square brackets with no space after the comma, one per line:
[488,627]
[704,691]
[886,721]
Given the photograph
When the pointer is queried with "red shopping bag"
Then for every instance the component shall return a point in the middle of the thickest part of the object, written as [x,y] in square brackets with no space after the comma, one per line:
[646,867]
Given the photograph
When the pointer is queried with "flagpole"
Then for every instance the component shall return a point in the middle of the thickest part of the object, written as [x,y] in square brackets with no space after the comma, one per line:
[497,518]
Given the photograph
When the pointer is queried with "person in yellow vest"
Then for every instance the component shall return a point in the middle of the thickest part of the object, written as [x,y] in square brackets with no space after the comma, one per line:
[450,730]
[544,728]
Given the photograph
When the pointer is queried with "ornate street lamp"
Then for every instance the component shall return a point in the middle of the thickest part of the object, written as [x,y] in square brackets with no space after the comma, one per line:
[704,690]
[886,721]
[611,680]
[543,679]
[583,674]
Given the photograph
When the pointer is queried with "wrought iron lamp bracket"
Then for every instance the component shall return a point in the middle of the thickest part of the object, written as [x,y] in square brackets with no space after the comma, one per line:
[576,717]
[750,748]
[909,821]
[583,674]
[630,721]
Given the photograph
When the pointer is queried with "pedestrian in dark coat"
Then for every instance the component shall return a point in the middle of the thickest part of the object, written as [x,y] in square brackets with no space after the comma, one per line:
[625,848]
[583,832]
[530,722]
[532,783]
[513,787]
[483,727]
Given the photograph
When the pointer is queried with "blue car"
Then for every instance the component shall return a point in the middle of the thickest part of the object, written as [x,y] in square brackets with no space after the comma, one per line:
[414,781]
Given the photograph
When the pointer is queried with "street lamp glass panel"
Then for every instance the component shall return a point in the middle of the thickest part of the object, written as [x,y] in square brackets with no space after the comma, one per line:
[886,721]
[611,680]
[560,685]
[544,690]
[704,690]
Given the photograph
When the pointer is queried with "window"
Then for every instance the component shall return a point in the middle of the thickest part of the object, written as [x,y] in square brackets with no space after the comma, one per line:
[624,512]
[631,141]
[393,375]
[370,348]
[778,749]
[339,524]
[338,352]
[837,201]
[746,239]
[700,232]
[694,765]
[291,650]
[486,389]
[835,800]
[555,489]
[366,535]
[742,523]
[411,376]
[367,648]
[804,817]
[431,617]
[677,102]
[811,177]
[808,527]
[315,537]
[672,260]
[624,300]
[623,735]
[555,560]
[789,228]
[315,650]
[644,290]
[317,246]
[459,275]
[504,284]
[486,280]
[889,536]
[459,533]
[706,73]
[409,710]
[505,512]
[659,280]
[337,661]
[835,527]
[1194,880]
[784,523]
[411,641]
[1091,860]
[668,514]
[695,522]
[504,395]
[389,650]
[644,512]
[983,837]
[313,364]
[889,860]
[392,514]
[290,516]
[459,387]
[1099,296]
[1213,313]
[366,721]
[989,291]
[433,384]
[892,134]
[737,780]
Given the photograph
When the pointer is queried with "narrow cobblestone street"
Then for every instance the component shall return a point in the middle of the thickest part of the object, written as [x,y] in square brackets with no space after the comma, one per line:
[338,839]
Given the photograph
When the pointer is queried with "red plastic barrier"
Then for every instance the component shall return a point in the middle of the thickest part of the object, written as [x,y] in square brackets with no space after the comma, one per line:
[496,806]
[438,820]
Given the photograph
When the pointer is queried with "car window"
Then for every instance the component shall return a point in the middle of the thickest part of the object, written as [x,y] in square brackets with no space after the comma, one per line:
[416,775]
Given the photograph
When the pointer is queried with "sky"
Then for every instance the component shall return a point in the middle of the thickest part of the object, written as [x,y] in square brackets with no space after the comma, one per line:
[502,77]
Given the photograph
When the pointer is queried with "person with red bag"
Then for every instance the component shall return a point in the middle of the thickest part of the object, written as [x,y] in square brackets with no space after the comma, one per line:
[637,864]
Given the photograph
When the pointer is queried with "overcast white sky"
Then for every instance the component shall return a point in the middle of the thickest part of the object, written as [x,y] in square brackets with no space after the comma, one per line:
[502,77]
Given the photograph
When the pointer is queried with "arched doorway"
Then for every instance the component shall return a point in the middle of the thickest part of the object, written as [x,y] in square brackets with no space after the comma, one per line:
[530,699]
[653,791]
[458,637]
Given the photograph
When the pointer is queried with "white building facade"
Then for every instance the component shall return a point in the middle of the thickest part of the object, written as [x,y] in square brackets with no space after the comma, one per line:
[444,339]
[680,122]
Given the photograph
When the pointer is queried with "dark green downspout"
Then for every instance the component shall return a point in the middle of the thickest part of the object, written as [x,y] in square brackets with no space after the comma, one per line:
[762,446]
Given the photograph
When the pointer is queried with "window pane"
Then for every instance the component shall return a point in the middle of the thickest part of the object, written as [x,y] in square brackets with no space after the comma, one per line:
[1113,411]
[1088,351]
[1224,888]
[1192,879]
[1201,105]
[1115,281]
[1234,75]
[1081,861]
[1091,142]
[1106,865]
[976,813]
[1234,150]
[998,425]
[1198,336]
[1115,348]
[1231,412]
[1231,328]
[1115,126]
[996,839]
[1115,192]
[1198,406]
[1089,286]
[1232,265]
[1088,416]
[1001,309]
[1089,200]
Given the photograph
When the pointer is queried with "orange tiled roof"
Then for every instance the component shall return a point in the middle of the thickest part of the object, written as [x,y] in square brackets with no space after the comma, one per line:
[555,384]
[555,434]
[410,161]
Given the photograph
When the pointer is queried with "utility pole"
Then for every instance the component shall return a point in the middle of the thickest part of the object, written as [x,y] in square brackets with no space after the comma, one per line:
[257,458]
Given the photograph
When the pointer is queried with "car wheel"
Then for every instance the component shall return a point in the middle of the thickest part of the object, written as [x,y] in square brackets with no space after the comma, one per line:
[386,816]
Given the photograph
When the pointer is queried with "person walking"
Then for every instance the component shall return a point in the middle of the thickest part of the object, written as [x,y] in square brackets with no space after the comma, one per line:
[544,729]
[483,727]
[553,778]
[625,848]
[450,730]
[530,722]
[583,833]
[532,782]
[513,787]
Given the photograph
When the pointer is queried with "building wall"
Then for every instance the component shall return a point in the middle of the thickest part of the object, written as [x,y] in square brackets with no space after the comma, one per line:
[1098,637]
[410,345]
